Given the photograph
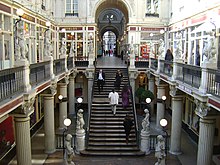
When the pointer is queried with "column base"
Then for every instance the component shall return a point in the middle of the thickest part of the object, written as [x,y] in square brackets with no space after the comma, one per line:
[175,153]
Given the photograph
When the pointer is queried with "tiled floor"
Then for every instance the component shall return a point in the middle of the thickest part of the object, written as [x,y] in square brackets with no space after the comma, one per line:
[189,148]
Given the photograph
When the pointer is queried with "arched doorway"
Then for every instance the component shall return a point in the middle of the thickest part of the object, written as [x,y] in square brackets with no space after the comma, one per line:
[111,18]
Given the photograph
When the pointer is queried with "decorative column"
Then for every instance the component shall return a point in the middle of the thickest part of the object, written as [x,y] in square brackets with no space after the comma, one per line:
[177,108]
[132,77]
[206,134]
[151,88]
[23,140]
[49,128]
[62,105]
[90,76]
[132,57]
[160,103]
[22,129]
[71,91]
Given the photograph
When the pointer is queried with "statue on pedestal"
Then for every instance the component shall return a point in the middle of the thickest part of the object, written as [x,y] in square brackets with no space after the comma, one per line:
[209,50]
[178,51]
[47,44]
[145,122]
[161,48]
[63,47]
[80,121]
[160,150]
[69,149]
[21,48]
[72,48]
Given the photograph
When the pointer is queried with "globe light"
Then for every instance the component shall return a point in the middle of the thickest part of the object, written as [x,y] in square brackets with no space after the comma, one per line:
[60,97]
[79,99]
[164,98]
[151,34]
[162,31]
[67,122]
[163,122]
[20,12]
[148,100]
[48,23]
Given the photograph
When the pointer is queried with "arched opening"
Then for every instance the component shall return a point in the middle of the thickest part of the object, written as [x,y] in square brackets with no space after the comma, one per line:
[111,18]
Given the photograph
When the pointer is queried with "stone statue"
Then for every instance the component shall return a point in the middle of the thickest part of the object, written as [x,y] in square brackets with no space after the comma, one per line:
[209,50]
[178,51]
[80,121]
[69,149]
[47,44]
[63,47]
[72,48]
[145,122]
[21,48]
[160,150]
[161,48]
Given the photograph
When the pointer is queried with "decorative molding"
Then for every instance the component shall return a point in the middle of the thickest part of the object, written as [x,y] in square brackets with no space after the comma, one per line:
[53,86]
[173,89]
[202,108]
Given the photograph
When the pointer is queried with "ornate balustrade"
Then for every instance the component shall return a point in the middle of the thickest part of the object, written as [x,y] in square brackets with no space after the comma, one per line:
[213,82]
[166,67]
[11,82]
[154,63]
[59,66]
[39,72]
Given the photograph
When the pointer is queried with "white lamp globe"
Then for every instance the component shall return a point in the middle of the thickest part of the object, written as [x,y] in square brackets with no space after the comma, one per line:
[67,122]
[164,98]
[48,23]
[60,97]
[148,100]
[163,122]
[20,12]
[79,100]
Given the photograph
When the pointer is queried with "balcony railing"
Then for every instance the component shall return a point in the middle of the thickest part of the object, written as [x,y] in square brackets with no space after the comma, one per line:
[213,82]
[70,63]
[166,67]
[59,66]
[39,72]
[142,63]
[189,74]
[11,82]
[154,64]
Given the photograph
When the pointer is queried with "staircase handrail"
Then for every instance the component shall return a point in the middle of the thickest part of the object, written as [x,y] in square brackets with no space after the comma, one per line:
[134,110]
[89,114]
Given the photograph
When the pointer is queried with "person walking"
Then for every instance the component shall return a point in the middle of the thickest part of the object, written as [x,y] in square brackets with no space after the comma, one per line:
[100,79]
[128,123]
[118,79]
[113,97]
[168,58]
[125,94]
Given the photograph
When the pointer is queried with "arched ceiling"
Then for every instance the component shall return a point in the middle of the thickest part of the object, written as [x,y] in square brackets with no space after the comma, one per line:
[111,15]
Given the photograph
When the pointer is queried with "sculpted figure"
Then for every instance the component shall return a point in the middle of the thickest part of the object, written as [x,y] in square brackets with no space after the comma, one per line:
[145,122]
[160,150]
[63,47]
[69,149]
[80,121]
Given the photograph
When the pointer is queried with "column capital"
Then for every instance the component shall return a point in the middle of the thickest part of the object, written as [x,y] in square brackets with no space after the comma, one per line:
[73,74]
[53,86]
[66,79]
[173,89]
[149,76]
[27,107]
[202,108]
[133,73]
[89,73]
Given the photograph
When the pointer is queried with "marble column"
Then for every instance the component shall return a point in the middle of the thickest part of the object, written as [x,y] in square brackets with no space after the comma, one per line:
[49,128]
[23,140]
[160,105]
[177,108]
[62,105]
[206,138]
[151,88]
[71,91]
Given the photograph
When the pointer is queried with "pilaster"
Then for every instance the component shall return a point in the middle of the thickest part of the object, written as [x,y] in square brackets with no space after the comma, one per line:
[71,92]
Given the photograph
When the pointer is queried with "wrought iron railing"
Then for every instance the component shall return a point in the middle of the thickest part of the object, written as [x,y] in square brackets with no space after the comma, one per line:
[154,64]
[166,67]
[59,66]
[213,82]
[11,82]
[189,74]
[39,72]
[142,63]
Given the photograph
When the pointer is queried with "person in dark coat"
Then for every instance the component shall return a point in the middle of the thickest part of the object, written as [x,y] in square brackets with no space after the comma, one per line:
[168,58]
[118,79]
[128,123]
[125,94]
[100,79]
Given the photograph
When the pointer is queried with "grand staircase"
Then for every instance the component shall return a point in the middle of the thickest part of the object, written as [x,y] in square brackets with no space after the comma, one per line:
[106,132]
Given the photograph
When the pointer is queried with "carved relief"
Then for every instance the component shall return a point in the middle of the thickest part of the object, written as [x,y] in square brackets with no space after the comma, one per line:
[53,87]
[201,108]
[27,105]
[173,90]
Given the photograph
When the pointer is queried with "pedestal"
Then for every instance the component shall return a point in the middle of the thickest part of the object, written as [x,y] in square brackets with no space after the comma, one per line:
[145,142]
[80,140]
